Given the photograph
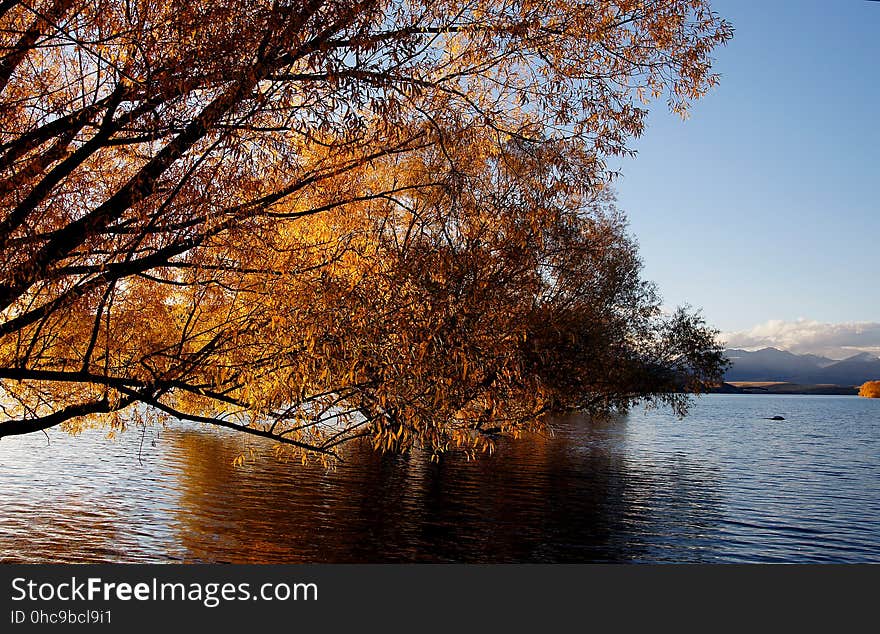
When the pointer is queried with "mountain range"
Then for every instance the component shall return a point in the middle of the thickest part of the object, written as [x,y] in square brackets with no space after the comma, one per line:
[771,364]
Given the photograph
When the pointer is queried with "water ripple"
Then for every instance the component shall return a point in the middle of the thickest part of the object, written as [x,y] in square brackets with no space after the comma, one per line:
[720,486]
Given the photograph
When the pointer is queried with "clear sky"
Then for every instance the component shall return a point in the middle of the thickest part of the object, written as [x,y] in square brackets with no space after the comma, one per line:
[763,205]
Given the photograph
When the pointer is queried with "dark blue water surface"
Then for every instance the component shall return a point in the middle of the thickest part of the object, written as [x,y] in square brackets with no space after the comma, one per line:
[722,485]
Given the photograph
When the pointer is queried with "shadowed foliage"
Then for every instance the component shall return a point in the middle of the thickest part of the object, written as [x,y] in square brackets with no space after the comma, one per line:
[322,220]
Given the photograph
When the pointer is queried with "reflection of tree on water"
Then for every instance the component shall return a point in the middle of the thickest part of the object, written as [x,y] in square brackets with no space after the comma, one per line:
[67,529]
[81,499]
[573,497]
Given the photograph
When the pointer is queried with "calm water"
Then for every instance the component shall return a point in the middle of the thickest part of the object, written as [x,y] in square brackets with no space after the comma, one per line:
[722,485]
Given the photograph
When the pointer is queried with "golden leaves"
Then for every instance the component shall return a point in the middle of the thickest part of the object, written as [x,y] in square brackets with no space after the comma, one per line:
[316,224]
[870,389]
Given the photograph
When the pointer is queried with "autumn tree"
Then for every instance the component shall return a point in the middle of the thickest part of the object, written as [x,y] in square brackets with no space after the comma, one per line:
[320,220]
[870,389]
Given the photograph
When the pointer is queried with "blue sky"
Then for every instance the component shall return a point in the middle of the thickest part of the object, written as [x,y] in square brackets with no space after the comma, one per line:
[763,205]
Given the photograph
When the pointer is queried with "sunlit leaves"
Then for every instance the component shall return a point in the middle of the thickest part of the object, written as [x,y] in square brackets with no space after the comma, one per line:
[871,389]
[324,220]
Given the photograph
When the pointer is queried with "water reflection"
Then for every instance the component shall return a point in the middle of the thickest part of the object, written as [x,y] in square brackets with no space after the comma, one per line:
[723,485]
[570,497]
[80,499]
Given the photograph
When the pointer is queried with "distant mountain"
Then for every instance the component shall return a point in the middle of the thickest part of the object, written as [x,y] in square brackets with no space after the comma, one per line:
[770,364]
[852,371]
[822,362]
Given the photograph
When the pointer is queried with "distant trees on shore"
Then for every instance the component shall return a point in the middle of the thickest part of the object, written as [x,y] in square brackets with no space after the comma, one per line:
[871,389]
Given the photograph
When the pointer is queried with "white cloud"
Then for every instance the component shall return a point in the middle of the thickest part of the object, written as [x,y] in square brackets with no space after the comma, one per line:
[836,341]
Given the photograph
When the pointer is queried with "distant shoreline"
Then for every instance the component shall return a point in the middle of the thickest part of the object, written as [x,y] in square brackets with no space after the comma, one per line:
[773,387]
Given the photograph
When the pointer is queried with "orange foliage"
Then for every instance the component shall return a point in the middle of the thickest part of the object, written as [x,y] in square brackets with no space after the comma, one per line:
[315,221]
[871,389]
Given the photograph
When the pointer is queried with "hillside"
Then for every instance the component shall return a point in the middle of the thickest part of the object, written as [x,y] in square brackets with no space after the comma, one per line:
[773,365]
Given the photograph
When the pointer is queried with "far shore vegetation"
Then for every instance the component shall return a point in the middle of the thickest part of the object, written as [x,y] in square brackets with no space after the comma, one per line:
[871,389]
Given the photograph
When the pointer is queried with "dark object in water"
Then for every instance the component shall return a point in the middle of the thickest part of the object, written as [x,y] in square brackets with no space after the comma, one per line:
[775,418]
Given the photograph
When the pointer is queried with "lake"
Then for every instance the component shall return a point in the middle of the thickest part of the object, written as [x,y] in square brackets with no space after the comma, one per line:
[722,485]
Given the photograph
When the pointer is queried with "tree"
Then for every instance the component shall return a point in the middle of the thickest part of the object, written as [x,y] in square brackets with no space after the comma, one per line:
[315,221]
[870,389]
